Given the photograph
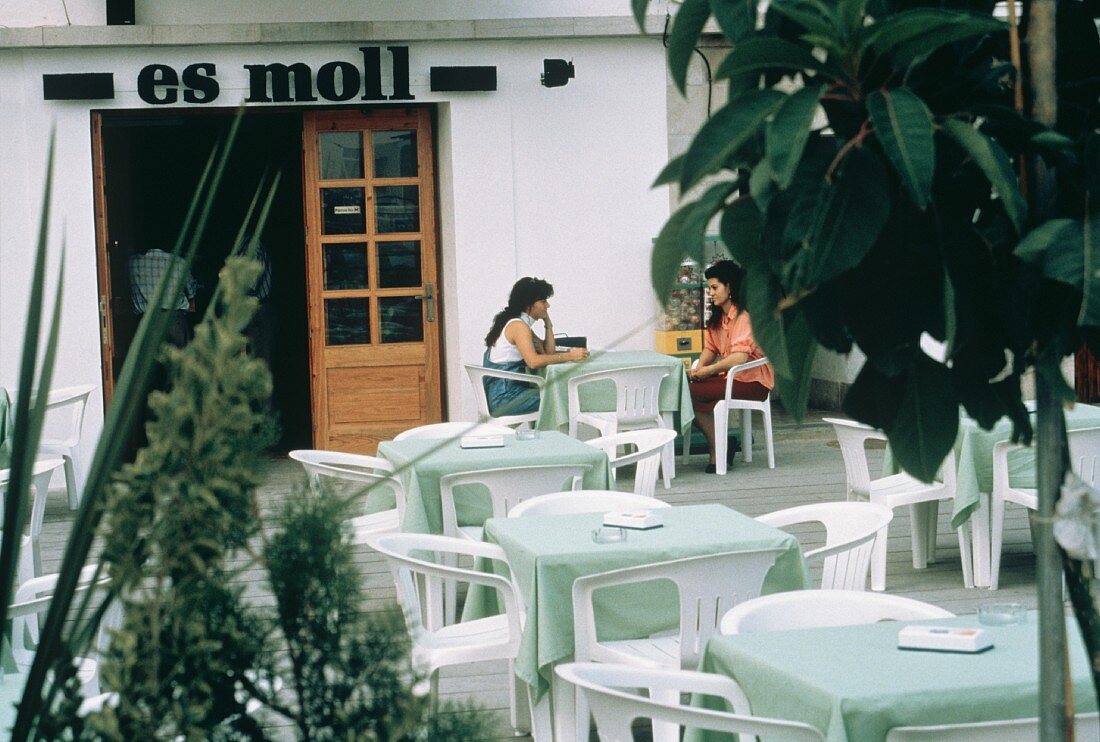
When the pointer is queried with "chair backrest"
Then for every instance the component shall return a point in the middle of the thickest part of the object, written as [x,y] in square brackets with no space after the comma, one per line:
[371,471]
[478,375]
[417,579]
[708,586]
[31,599]
[645,450]
[1084,454]
[1086,726]
[612,693]
[731,375]
[853,437]
[585,501]
[637,391]
[508,486]
[72,400]
[440,431]
[803,609]
[850,532]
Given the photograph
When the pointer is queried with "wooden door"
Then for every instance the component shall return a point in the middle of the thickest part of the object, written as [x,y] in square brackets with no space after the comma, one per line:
[107,264]
[371,275]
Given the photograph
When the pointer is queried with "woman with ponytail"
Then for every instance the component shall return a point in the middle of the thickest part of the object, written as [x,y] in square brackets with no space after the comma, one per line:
[512,345]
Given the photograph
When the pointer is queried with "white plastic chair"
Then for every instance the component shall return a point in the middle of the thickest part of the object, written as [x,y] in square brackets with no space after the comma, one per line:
[507,487]
[648,446]
[611,691]
[804,609]
[585,501]
[440,431]
[436,646]
[69,404]
[707,587]
[730,404]
[369,471]
[478,374]
[41,474]
[1084,456]
[32,598]
[895,491]
[850,532]
[1086,726]
[637,397]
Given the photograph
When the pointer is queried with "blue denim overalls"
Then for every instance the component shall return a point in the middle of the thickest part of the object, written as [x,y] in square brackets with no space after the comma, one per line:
[507,397]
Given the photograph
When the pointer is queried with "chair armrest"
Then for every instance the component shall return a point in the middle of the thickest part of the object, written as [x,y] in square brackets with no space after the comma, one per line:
[738,369]
[1001,449]
[515,376]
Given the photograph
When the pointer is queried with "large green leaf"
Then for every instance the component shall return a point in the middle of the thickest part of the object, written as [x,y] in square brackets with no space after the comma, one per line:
[852,14]
[762,53]
[874,398]
[1033,247]
[664,263]
[794,386]
[670,173]
[785,136]
[816,17]
[994,162]
[849,217]
[1090,284]
[736,18]
[762,296]
[1064,257]
[911,33]
[687,26]
[927,422]
[639,8]
[740,229]
[693,230]
[904,128]
[725,132]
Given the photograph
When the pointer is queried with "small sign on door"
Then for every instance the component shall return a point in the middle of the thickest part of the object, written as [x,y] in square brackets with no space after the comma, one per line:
[337,210]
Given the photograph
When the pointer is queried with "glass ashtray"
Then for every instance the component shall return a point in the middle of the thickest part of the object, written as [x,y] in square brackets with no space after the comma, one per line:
[1001,614]
[608,535]
[527,434]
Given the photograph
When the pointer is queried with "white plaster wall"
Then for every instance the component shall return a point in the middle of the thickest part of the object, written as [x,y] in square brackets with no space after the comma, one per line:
[550,182]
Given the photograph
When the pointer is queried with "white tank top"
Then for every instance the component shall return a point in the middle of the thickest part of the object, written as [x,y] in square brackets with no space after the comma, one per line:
[504,351]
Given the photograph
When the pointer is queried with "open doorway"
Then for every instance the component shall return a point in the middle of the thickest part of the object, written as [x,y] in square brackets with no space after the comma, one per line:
[151,164]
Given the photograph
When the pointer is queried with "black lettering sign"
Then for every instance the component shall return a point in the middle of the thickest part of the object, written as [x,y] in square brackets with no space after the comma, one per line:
[259,75]
[199,82]
[349,81]
[400,56]
[152,79]
[372,73]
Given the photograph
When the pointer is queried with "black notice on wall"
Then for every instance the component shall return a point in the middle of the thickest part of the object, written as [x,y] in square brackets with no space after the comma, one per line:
[461,79]
[79,86]
[120,12]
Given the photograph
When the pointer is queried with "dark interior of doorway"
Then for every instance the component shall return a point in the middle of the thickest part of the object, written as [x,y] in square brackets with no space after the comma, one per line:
[152,165]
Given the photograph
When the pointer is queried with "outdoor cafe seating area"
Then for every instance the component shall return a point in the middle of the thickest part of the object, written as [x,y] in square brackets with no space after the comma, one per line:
[746,610]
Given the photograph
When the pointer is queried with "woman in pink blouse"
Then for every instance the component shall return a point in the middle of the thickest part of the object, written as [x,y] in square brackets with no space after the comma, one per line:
[728,342]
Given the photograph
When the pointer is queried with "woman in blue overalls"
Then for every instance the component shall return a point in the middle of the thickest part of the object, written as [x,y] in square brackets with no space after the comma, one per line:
[512,345]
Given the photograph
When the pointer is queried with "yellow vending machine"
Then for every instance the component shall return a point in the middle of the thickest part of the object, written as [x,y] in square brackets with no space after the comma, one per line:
[680,328]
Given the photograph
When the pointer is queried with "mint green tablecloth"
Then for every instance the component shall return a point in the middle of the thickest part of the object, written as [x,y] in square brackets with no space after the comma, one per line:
[854,684]
[547,553]
[600,397]
[11,692]
[421,464]
[974,452]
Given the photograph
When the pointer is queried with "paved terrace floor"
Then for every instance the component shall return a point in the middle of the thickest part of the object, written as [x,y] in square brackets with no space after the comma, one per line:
[808,469]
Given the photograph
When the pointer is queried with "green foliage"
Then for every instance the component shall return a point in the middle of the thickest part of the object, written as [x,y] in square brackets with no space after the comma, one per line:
[902,216]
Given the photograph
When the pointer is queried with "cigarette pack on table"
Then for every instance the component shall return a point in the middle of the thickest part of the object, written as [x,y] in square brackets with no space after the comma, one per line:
[639,519]
[481,441]
[944,639]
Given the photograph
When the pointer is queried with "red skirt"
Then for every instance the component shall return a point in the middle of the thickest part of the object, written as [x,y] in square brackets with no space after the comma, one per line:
[709,392]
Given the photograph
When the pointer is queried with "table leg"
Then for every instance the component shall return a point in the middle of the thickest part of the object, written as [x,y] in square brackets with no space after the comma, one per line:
[979,525]
[564,701]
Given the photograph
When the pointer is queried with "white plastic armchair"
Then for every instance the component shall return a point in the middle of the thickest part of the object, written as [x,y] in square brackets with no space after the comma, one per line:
[68,406]
[585,501]
[612,693]
[804,609]
[1084,457]
[507,487]
[368,471]
[478,374]
[41,474]
[730,404]
[647,448]
[707,587]
[637,406]
[897,490]
[1085,725]
[32,598]
[850,532]
[436,645]
[440,431]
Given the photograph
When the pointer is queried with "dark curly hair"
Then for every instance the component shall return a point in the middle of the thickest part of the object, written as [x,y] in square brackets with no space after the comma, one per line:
[525,292]
[733,276]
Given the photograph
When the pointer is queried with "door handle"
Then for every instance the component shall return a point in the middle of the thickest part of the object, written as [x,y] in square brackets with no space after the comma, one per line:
[103,335]
[429,300]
